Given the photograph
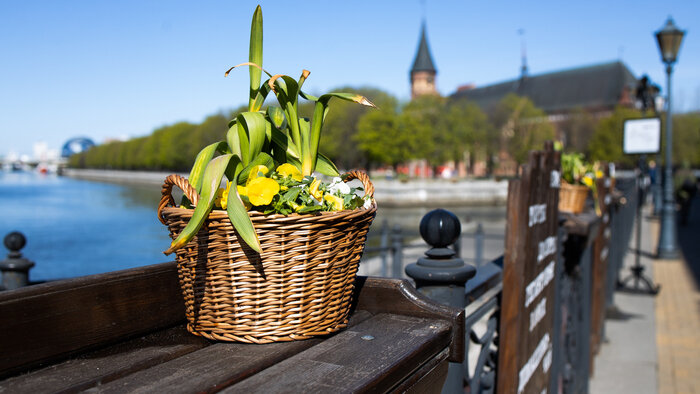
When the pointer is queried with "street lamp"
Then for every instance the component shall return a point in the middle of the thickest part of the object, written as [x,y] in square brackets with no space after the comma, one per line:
[669,39]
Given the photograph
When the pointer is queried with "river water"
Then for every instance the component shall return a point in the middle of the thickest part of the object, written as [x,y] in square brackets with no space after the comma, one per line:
[76,227]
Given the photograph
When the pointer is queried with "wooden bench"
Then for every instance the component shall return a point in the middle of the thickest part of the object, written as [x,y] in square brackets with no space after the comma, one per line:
[124,332]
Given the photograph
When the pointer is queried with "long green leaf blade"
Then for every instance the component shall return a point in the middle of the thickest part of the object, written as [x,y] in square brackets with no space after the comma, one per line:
[252,131]
[200,163]
[307,161]
[325,166]
[213,174]
[255,54]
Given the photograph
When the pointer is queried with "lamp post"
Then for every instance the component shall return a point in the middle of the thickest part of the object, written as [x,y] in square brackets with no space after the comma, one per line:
[669,39]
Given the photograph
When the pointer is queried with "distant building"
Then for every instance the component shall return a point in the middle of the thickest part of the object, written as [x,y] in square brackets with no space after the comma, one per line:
[423,71]
[566,96]
[596,89]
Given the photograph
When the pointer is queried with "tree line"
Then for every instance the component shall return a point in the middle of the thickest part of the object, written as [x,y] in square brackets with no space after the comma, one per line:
[433,128]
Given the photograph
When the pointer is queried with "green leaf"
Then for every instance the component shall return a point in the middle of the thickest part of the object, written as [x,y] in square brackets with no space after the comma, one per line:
[255,54]
[251,134]
[240,219]
[320,112]
[260,97]
[284,142]
[211,180]
[200,163]
[276,116]
[307,160]
[325,166]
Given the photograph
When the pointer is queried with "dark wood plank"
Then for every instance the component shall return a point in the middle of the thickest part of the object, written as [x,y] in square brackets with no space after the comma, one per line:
[396,296]
[214,367]
[428,379]
[51,320]
[105,365]
[599,268]
[373,356]
[529,283]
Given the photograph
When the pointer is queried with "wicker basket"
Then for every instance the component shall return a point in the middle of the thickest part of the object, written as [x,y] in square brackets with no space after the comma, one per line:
[299,287]
[572,198]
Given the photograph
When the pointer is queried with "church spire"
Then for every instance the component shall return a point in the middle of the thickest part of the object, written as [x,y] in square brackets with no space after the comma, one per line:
[423,71]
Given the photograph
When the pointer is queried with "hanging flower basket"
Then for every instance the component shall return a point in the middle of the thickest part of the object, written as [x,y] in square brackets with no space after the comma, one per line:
[572,198]
[300,286]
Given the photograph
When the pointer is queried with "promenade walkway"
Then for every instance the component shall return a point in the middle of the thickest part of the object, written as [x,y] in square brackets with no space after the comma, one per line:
[653,342]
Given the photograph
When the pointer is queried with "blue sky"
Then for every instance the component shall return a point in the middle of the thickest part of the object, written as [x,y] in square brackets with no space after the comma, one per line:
[123,68]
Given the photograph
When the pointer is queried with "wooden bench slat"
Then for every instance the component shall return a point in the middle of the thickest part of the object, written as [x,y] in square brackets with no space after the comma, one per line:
[213,367]
[108,364]
[52,320]
[347,362]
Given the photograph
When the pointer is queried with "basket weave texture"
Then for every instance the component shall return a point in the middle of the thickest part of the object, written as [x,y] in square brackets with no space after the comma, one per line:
[299,287]
[572,198]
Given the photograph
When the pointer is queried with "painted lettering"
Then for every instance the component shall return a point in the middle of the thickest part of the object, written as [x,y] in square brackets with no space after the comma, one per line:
[538,284]
[546,248]
[538,214]
[538,313]
[531,365]
[555,179]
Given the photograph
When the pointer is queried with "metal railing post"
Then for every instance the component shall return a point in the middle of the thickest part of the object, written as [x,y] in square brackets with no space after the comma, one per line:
[479,245]
[384,246]
[397,252]
[15,268]
[442,276]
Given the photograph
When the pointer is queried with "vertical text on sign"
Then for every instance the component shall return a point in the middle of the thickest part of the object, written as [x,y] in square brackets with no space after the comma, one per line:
[538,214]
[546,248]
[533,362]
[538,313]
[535,287]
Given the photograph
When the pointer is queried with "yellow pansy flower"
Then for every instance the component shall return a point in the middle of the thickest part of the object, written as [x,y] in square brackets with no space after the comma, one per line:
[599,174]
[336,202]
[255,173]
[588,181]
[262,190]
[313,189]
[242,190]
[221,199]
[287,169]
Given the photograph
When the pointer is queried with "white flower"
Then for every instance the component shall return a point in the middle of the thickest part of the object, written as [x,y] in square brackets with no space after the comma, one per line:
[339,186]
[368,202]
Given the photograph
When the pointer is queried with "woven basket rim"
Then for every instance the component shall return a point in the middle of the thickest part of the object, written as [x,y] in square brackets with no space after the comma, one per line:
[219,213]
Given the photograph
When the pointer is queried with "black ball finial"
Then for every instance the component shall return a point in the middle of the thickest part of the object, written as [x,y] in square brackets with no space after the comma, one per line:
[15,241]
[440,228]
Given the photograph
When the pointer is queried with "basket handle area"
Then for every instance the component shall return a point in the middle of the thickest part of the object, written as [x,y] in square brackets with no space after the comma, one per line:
[167,197]
[364,178]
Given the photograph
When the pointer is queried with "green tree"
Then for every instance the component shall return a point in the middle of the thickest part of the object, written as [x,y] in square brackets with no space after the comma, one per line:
[606,142]
[341,126]
[381,138]
[686,138]
[469,128]
[424,119]
[523,126]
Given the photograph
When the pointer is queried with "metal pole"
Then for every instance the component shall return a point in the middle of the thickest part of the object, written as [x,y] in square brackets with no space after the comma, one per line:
[384,246]
[479,245]
[397,249]
[667,246]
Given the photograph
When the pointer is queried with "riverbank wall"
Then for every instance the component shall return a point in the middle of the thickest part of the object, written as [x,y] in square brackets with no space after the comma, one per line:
[389,193]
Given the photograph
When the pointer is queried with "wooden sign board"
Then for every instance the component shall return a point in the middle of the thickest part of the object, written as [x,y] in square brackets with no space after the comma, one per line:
[529,267]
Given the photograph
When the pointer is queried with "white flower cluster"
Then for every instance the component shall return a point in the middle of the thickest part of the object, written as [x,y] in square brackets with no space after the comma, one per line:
[337,185]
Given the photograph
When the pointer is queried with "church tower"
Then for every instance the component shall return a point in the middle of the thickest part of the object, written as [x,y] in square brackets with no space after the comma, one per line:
[423,71]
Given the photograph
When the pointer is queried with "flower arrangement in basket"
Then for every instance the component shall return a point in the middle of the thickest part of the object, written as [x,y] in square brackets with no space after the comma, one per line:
[272,255]
[578,177]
